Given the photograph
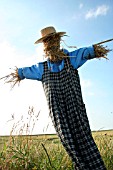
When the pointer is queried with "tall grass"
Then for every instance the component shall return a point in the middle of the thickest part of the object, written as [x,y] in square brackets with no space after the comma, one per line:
[45,152]
[104,141]
[28,152]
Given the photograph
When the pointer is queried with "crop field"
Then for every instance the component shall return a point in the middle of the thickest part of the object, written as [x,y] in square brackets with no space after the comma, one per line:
[45,152]
[25,151]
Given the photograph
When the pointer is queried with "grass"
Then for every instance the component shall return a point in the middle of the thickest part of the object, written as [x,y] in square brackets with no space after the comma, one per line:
[33,152]
[104,141]
[44,152]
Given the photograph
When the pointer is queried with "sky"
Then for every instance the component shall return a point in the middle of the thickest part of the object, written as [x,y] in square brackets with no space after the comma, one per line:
[86,22]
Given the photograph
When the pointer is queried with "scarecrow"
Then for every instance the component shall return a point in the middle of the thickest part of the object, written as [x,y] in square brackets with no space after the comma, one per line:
[61,84]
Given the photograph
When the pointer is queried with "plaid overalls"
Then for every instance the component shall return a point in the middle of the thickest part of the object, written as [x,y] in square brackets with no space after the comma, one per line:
[68,114]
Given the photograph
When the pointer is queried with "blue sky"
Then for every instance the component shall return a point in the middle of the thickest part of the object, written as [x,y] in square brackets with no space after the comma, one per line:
[86,22]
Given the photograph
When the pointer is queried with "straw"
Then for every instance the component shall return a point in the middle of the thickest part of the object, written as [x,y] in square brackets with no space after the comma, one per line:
[12,78]
[101,51]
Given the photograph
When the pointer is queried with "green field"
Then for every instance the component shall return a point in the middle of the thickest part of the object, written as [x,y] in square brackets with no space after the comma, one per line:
[45,152]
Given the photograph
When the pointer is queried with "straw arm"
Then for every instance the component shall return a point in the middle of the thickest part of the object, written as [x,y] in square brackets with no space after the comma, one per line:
[13,78]
[5,77]
[101,51]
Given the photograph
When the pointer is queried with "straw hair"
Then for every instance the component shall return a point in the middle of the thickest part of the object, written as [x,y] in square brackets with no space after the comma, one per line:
[52,48]
[48,31]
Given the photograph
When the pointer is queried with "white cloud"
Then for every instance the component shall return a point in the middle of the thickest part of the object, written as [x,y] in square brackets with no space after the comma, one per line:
[90,93]
[29,93]
[86,87]
[86,83]
[100,10]
[80,6]
[11,56]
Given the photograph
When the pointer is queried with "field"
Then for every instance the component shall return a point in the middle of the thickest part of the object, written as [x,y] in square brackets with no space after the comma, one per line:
[45,152]
[25,151]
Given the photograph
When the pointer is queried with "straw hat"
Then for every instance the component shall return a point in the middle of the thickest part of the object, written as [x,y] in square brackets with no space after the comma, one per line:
[48,31]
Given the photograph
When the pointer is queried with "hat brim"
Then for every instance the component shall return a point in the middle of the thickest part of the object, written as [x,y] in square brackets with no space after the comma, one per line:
[41,39]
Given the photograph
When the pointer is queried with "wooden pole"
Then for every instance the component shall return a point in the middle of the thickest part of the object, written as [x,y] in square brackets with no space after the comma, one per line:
[104,41]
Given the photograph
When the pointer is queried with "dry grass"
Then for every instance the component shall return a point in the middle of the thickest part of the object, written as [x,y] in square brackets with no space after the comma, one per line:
[44,152]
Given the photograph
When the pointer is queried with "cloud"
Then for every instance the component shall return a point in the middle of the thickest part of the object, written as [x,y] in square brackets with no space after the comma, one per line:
[86,83]
[86,86]
[12,56]
[99,11]
[80,6]
[77,16]
[20,98]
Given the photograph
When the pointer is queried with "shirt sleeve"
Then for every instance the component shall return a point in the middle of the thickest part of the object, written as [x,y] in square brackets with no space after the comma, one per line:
[81,55]
[34,72]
